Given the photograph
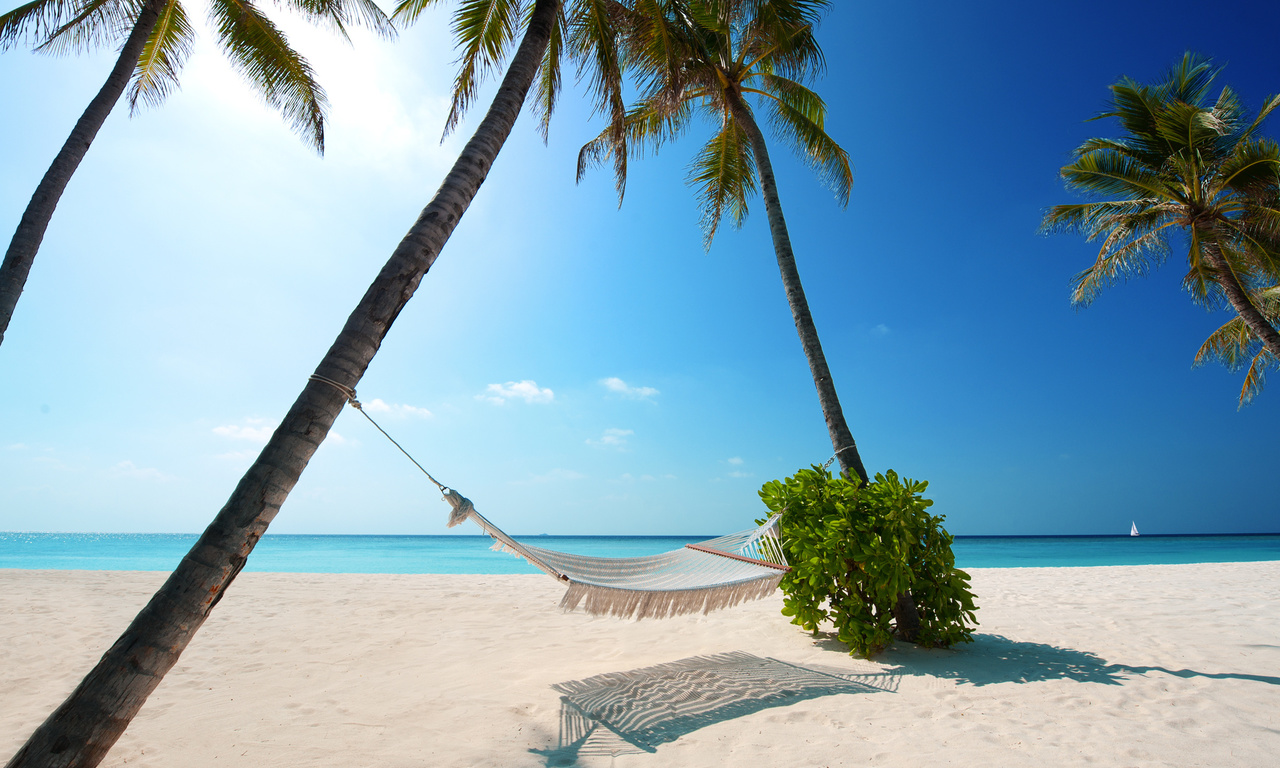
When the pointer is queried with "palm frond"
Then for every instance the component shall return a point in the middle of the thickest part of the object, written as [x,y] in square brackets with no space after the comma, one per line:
[485,30]
[647,127]
[1093,219]
[1251,170]
[337,15]
[1137,110]
[798,114]
[1255,377]
[1107,173]
[262,55]
[548,82]
[35,21]
[1233,344]
[165,52]
[781,36]
[1120,259]
[1257,230]
[724,175]
[95,23]
[1230,345]
[1267,108]
[594,40]
[1190,129]
[1200,279]
[1189,80]
[408,11]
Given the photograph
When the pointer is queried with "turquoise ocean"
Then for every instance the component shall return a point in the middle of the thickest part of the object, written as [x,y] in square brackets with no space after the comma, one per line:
[297,553]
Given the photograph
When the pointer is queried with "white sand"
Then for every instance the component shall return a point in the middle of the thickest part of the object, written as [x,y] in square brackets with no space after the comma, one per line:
[1131,666]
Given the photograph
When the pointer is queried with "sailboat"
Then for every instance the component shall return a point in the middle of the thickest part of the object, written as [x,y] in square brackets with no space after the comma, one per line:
[1133,528]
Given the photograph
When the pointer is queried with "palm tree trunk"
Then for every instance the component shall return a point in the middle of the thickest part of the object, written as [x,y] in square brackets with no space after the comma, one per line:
[87,724]
[846,450]
[906,616]
[1262,329]
[35,219]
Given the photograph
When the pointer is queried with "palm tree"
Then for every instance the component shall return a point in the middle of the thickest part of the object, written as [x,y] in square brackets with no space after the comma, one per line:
[1185,166]
[702,58]
[1234,344]
[85,726]
[158,42]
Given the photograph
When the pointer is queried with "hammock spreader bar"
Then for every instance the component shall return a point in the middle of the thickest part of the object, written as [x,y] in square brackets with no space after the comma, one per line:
[700,578]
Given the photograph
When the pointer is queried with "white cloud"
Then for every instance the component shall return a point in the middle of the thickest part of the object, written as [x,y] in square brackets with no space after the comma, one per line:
[254,430]
[620,387]
[398,409]
[129,469]
[739,474]
[736,460]
[17,447]
[526,390]
[612,438]
[880,330]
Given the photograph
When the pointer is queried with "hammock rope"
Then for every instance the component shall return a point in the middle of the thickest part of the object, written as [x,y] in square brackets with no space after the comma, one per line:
[699,578]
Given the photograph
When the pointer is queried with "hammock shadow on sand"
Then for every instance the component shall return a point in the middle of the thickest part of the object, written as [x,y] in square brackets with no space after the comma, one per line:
[992,659]
[636,711]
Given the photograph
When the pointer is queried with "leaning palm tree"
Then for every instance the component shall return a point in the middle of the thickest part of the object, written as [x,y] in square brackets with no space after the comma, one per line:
[85,726]
[1235,345]
[157,40]
[1186,166]
[705,58]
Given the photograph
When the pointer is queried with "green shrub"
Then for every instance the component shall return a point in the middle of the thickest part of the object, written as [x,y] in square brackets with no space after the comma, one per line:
[854,550]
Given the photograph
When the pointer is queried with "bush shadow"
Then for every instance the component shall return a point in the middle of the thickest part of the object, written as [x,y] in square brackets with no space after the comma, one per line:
[992,659]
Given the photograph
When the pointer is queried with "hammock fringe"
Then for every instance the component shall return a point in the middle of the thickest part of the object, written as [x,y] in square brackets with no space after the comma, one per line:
[625,603]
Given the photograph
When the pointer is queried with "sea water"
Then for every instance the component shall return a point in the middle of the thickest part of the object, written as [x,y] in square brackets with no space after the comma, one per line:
[297,553]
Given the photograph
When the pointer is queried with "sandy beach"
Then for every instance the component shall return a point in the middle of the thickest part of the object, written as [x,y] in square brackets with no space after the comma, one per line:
[1171,665]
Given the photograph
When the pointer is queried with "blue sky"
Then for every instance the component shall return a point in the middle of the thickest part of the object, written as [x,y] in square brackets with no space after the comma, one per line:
[579,369]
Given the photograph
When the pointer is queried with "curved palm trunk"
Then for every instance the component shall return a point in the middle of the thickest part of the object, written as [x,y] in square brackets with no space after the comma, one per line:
[35,219]
[1239,298]
[906,617]
[842,442]
[85,726]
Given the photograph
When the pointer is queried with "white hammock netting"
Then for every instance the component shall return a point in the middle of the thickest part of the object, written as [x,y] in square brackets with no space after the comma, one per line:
[700,578]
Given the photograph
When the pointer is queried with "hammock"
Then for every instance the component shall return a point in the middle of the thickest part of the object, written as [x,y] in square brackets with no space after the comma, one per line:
[713,574]
[717,573]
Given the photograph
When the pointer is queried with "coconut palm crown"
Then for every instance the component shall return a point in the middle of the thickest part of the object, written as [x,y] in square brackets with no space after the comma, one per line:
[701,60]
[1185,166]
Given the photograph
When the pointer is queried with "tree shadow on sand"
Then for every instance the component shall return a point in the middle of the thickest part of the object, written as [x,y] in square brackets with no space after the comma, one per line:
[994,659]
[635,711]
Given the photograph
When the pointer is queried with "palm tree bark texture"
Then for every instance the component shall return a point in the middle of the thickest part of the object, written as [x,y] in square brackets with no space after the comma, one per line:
[82,730]
[35,219]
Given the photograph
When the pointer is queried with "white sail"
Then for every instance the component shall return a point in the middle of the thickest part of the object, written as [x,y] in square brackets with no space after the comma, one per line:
[1133,528]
